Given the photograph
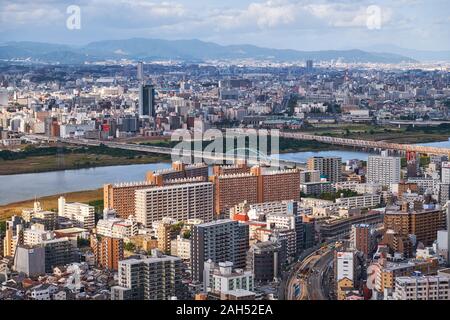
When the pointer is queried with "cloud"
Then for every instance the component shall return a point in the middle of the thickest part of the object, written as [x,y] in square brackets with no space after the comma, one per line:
[12,14]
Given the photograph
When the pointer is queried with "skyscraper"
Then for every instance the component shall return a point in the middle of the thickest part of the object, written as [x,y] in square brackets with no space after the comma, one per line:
[147,100]
[140,71]
[309,65]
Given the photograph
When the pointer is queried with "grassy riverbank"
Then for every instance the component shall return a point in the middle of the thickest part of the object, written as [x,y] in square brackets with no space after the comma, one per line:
[51,202]
[44,159]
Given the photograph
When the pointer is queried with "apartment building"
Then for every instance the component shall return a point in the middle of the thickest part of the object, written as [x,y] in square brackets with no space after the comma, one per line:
[179,170]
[423,223]
[113,227]
[107,251]
[258,186]
[329,167]
[120,197]
[221,278]
[383,169]
[363,201]
[361,238]
[422,288]
[179,202]
[220,241]
[181,247]
[154,278]
[59,252]
[82,215]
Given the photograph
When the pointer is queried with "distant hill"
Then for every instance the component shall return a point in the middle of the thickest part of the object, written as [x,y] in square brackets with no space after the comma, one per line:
[184,50]
[420,55]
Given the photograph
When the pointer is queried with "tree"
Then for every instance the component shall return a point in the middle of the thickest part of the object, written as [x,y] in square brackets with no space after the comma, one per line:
[187,234]
[129,246]
[83,242]
[2,226]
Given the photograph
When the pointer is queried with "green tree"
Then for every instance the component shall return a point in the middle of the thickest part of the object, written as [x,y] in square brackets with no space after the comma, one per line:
[129,246]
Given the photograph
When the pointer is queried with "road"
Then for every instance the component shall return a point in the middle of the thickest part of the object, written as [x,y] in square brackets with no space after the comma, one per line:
[312,275]
[318,284]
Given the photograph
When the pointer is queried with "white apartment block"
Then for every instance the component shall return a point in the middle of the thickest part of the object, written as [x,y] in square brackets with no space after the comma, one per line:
[282,221]
[222,278]
[82,215]
[181,247]
[345,266]
[361,188]
[383,169]
[422,288]
[180,202]
[117,228]
[265,208]
[364,201]
[445,172]
[35,236]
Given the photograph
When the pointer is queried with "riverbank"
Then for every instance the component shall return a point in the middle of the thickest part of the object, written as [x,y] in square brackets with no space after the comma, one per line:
[71,161]
[50,202]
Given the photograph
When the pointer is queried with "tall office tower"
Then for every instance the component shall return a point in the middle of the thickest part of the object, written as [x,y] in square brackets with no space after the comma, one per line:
[329,167]
[220,241]
[154,278]
[361,238]
[180,202]
[140,71]
[120,197]
[82,215]
[383,169]
[147,105]
[424,223]
[309,65]
[412,164]
[265,259]
[107,251]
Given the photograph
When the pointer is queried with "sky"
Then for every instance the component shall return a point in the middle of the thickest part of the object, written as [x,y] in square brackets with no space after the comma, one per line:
[293,24]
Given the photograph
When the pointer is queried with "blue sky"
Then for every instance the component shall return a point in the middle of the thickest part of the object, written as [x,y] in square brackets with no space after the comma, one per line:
[295,24]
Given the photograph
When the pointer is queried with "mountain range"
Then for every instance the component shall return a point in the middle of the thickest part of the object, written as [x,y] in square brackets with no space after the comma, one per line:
[182,50]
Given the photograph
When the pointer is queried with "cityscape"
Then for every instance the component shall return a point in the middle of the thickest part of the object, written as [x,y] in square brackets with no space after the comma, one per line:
[224,168]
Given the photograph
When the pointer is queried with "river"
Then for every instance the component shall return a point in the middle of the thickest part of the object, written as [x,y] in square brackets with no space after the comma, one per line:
[20,187]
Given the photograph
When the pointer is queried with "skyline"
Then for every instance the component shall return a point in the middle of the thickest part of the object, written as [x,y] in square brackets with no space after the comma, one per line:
[281,24]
